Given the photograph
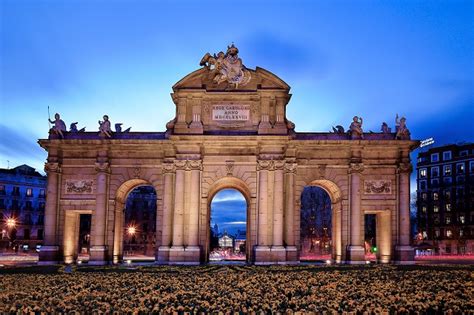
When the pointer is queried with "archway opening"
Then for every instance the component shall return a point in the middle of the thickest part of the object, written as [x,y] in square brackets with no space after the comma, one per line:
[316,241]
[228,226]
[370,236]
[139,225]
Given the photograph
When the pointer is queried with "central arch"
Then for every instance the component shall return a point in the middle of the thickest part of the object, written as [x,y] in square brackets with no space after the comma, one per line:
[229,183]
[335,196]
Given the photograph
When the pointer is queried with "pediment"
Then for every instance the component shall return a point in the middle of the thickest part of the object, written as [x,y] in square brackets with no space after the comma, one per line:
[260,79]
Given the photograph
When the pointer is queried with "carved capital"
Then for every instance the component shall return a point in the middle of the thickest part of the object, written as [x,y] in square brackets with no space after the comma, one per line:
[52,167]
[180,165]
[102,167]
[229,167]
[194,165]
[264,165]
[404,167]
[279,165]
[290,168]
[356,168]
[168,168]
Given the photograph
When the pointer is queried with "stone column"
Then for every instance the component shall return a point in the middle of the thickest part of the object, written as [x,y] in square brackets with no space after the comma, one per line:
[356,251]
[291,251]
[337,230]
[384,235]
[118,232]
[278,251]
[262,251]
[404,252]
[70,238]
[167,224]
[192,248]
[98,250]
[177,249]
[50,250]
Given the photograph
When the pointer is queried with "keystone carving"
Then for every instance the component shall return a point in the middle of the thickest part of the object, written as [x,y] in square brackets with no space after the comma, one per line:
[52,167]
[356,168]
[405,167]
[229,166]
[102,167]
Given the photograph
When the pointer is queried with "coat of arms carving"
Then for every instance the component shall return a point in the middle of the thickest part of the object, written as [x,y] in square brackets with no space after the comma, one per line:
[79,186]
[377,187]
[226,67]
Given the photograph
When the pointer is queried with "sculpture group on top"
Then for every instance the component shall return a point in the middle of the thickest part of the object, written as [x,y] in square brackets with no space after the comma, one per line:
[356,132]
[226,67]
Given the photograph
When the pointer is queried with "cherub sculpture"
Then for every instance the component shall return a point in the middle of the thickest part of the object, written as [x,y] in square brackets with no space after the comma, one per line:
[59,126]
[385,128]
[355,129]
[104,127]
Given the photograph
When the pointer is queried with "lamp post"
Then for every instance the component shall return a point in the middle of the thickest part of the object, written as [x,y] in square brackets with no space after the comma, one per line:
[131,231]
[11,224]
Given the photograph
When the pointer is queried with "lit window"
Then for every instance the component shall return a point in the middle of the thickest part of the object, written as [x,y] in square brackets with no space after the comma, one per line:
[435,157]
[424,196]
[425,235]
[423,209]
[461,232]
[448,220]
[423,173]
[435,171]
[446,155]
[435,209]
[29,192]
[460,168]
[448,207]
[462,219]
[435,195]
[447,170]
[437,233]
[449,233]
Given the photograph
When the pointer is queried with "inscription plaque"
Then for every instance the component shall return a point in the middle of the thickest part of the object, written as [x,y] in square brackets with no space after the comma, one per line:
[236,113]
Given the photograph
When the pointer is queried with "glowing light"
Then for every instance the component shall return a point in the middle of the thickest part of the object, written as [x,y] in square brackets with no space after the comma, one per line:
[129,262]
[328,262]
[367,262]
[11,223]
[131,230]
[79,262]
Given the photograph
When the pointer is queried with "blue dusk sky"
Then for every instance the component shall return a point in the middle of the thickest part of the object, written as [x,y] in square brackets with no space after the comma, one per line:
[229,211]
[374,59]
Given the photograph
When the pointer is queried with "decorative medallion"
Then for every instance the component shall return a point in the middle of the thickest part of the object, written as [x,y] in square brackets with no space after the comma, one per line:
[79,186]
[378,187]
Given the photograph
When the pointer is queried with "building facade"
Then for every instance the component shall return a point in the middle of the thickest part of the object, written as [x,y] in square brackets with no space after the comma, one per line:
[445,198]
[230,131]
[22,207]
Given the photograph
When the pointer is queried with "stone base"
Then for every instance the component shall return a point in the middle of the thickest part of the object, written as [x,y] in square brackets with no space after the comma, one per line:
[262,254]
[180,255]
[196,128]
[98,255]
[278,254]
[292,254]
[48,255]
[355,254]
[404,255]
[163,255]
[384,259]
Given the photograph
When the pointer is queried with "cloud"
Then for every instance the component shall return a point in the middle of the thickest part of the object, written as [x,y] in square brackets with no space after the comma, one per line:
[228,195]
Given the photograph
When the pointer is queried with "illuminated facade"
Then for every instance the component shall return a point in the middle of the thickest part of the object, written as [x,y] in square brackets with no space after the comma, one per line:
[230,131]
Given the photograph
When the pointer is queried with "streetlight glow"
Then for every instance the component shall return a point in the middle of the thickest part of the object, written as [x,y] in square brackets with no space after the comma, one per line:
[11,223]
[131,230]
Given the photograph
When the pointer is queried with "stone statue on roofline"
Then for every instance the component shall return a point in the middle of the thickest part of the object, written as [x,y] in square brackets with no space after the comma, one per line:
[226,67]
[385,128]
[104,127]
[59,126]
[402,131]
[355,129]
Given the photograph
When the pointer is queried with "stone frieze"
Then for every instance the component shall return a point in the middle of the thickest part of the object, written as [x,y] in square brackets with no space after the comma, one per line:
[79,186]
[377,187]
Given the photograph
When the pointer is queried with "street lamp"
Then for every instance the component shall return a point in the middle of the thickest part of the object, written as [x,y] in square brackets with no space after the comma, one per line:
[131,230]
[11,223]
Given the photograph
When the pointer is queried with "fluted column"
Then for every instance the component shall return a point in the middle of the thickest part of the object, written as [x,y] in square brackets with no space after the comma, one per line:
[290,170]
[263,203]
[278,206]
[49,251]
[178,215]
[167,219]
[195,185]
[384,236]
[98,249]
[356,251]
[404,251]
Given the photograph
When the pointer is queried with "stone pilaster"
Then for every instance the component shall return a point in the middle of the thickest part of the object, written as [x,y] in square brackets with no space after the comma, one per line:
[262,251]
[384,236]
[404,252]
[278,251]
[49,252]
[98,250]
[290,172]
[167,224]
[192,249]
[356,251]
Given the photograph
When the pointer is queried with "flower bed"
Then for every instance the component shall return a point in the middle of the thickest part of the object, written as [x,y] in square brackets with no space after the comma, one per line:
[243,289]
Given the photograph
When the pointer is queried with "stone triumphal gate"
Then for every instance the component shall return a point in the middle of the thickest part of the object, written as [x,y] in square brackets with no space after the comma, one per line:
[230,131]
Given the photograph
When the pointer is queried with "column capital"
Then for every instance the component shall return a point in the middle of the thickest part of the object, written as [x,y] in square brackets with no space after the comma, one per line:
[102,167]
[194,165]
[279,165]
[179,165]
[290,168]
[168,168]
[52,167]
[264,165]
[404,167]
[356,168]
